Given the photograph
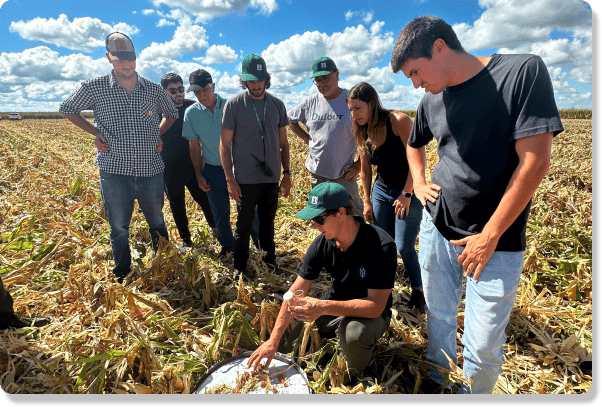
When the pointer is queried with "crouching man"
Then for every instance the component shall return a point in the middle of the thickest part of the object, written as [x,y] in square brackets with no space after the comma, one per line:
[361,259]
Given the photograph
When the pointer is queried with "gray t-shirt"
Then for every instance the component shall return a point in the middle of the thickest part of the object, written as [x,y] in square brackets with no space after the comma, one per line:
[330,126]
[240,117]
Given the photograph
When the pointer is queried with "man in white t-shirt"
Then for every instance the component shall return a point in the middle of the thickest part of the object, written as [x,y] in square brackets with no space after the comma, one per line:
[332,148]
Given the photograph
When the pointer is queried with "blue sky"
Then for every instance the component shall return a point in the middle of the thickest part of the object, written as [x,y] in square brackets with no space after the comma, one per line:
[47,48]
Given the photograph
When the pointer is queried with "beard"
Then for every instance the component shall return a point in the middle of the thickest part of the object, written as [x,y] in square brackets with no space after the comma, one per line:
[257,92]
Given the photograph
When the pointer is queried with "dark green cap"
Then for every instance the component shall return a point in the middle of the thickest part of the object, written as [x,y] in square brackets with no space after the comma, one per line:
[323,197]
[254,69]
[323,66]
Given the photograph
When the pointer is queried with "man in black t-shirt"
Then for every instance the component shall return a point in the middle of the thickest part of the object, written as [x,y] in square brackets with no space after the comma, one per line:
[494,119]
[179,172]
[361,260]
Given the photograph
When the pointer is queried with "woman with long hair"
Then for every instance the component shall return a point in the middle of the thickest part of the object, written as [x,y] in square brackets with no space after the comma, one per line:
[382,136]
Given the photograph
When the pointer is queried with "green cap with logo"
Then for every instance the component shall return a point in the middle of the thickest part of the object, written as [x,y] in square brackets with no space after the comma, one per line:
[323,197]
[323,66]
[253,68]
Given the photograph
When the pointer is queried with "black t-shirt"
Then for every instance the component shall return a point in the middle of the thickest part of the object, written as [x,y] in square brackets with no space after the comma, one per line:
[476,125]
[176,150]
[391,161]
[369,263]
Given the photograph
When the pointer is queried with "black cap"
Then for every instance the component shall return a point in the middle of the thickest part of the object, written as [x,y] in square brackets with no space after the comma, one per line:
[198,80]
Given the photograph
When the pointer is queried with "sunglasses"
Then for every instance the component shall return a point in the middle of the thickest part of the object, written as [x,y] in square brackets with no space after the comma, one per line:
[322,79]
[173,91]
[322,217]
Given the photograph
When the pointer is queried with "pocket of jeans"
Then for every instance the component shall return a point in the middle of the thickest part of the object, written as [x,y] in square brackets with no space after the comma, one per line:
[104,175]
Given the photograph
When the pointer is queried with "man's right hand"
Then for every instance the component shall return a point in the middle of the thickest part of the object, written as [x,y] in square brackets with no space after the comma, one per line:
[203,184]
[101,143]
[427,192]
[368,212]
[234,190]
[267,351]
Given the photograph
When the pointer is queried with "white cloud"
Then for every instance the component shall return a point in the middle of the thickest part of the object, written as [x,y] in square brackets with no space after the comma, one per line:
[355,51]
[188,38]
[148,11]
[164,22]
[83,34]
[218,54]
[155,69]
[510,23]
[349,15]
[205,10]
[376,27]
[366,16]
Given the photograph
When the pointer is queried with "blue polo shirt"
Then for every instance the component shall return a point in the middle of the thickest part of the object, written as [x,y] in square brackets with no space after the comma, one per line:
[206,126]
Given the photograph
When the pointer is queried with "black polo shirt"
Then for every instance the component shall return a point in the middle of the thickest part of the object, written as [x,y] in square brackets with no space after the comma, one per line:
[369,263]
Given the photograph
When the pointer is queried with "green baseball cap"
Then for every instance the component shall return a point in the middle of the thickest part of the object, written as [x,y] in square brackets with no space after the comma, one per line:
[253,68]
[323,66]
[323,197]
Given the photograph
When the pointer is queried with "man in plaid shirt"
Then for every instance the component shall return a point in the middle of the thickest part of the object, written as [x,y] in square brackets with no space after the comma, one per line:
[127,127]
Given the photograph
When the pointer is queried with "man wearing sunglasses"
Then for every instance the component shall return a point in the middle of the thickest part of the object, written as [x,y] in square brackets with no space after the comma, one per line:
[127,128]
[179,171]
[361,259]
[329,132]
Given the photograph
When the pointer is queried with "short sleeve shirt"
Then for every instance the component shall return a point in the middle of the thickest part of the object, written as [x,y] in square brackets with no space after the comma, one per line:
[331,144]
[206,126]
[247,142]
[369,263]
[476,125]
[130,124]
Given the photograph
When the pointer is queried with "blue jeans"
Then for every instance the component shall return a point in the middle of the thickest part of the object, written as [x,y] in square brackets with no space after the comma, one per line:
[219,200]
[404,230]
[118,195]
[488,304]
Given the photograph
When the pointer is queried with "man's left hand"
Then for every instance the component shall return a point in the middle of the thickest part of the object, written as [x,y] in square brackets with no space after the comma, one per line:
[310,311]
[479,249]
[159,147]
[285,185]
[352,172]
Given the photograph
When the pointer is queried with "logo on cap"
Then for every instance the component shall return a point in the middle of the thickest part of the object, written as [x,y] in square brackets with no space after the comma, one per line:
[323,64]
[314,200]
[258,67]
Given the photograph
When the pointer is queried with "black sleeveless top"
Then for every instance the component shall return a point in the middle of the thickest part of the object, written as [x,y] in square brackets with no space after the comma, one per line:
[390,159]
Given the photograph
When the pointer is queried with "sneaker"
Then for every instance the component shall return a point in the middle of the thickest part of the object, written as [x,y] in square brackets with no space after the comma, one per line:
[16,322]
[417,301]
[186,244]
[121,277]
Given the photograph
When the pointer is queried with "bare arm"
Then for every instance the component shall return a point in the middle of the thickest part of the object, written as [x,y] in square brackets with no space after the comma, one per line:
[196,157]
[285,184]
[366,176]
[99,140]
[165,125]
[402,127]
[269,347]
[534,161]
[417,163]
[298,130]
[225,152]
[370,307]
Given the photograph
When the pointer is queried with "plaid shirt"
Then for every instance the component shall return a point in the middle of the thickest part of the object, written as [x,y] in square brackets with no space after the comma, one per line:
[130,124]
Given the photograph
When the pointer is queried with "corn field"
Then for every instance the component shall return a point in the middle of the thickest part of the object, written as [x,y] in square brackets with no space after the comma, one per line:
[177,315]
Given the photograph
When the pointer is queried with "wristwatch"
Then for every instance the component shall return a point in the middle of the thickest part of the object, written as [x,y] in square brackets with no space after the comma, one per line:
[406,194]
[286,172]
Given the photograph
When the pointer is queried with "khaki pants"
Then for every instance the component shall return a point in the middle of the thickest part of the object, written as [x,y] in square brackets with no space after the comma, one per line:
[350,186]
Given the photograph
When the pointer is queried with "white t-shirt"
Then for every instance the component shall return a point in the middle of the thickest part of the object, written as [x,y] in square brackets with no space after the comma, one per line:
[331,144]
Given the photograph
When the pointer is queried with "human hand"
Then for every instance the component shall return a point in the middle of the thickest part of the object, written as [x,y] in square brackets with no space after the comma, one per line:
[203,184]
[267,350]
[352,172]
[101,143]
[368,212]
[479,249]
[402,206]
[159,147]
[427,191]
[285,185]
[307,310]
[234,190]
